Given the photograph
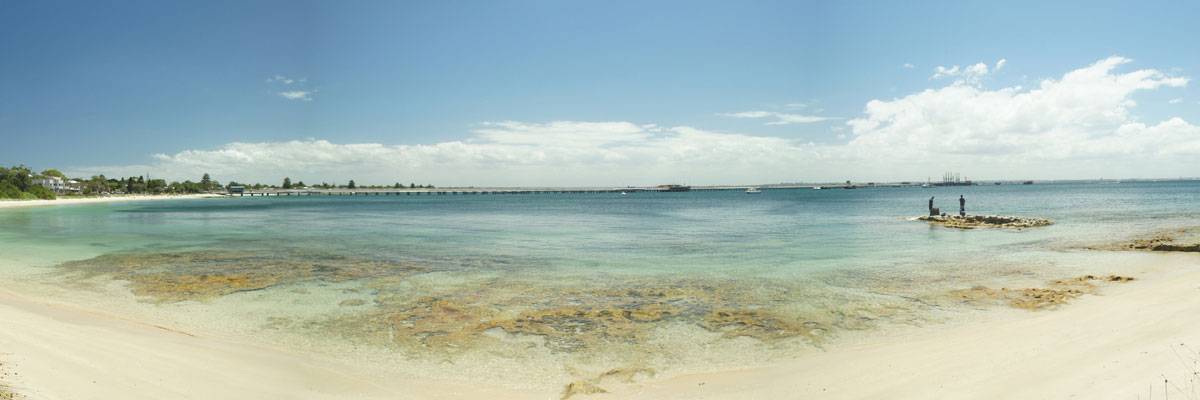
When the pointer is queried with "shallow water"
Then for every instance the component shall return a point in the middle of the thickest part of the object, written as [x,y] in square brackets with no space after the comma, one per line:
[540,289]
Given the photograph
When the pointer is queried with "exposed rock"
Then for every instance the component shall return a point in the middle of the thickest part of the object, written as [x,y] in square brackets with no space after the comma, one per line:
[985,221]
[1057,293]
[591,386]
[580,387]
[1156,243]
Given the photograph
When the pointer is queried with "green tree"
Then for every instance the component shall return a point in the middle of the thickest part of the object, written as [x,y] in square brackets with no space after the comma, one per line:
[412,185]
[41,192]
[205,180]
[9,191]
[351,185]
[54,172]
[17,176]
[396,186]
[287,183]
[156,185]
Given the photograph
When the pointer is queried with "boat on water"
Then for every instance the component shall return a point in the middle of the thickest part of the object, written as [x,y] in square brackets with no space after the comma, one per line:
[753,191]
[817,188]
[926,186]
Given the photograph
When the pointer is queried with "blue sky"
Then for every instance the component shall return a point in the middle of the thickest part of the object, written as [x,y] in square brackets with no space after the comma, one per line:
[597,93]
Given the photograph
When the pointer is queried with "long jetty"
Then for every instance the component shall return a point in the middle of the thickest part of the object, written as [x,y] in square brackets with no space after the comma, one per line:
[488,191]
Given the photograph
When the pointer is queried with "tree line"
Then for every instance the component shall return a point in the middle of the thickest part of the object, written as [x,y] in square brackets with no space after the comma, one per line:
[288,184]
[17,183]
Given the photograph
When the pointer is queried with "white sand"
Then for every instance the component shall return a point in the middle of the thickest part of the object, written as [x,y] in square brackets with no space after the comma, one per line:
[1117,345]
[55,351]
[106,199]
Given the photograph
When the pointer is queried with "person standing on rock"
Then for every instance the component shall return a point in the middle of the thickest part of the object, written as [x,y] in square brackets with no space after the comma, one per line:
[962,206]
[931,205]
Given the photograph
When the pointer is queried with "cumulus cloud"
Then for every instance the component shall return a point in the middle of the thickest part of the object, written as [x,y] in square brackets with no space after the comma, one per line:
[780,118]
[1175,101]
[1079,125]
[297,95]
[908,65]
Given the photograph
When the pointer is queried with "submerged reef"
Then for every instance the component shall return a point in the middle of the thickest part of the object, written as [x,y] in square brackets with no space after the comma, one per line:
[985,221]
[566,316]
[570,318]
[588,323]
[200,275]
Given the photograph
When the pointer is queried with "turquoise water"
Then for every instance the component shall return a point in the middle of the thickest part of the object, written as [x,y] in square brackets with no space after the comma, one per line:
[703,279]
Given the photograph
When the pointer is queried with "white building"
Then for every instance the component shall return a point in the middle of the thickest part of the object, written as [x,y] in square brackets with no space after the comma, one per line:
[57,185]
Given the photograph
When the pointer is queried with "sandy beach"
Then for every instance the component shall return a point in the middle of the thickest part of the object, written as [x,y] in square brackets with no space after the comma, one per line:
[94,200]
[1119,344]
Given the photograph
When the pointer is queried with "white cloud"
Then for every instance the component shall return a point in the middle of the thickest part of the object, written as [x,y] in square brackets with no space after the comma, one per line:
[284,80]
[503,153]
[1076,126]
[781,118]
[909,66]
[1175,101]
[297,95]
[1080,125]
[750,114]
[970,74]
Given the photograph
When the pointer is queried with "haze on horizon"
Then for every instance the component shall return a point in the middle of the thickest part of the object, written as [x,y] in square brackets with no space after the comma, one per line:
[531,93]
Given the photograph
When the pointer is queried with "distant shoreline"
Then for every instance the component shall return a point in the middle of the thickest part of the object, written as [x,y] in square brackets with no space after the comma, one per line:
[106,199]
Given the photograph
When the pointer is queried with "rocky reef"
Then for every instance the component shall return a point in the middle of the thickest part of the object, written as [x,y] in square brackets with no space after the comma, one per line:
[570,319]
[985,221]
[643,324]
[1157,243]
[1055,294]
[200,275]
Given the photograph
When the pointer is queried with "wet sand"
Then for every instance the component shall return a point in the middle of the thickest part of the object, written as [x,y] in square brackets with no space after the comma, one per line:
[1116,344]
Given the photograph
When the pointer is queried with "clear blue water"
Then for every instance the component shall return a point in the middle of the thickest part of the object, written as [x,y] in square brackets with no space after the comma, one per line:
[813,264]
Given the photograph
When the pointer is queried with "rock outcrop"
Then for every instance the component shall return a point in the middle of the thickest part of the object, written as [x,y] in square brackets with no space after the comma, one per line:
[1055,294]
[1156,243]
[985,221]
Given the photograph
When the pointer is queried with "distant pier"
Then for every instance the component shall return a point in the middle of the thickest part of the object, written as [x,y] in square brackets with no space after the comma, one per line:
[469,192]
